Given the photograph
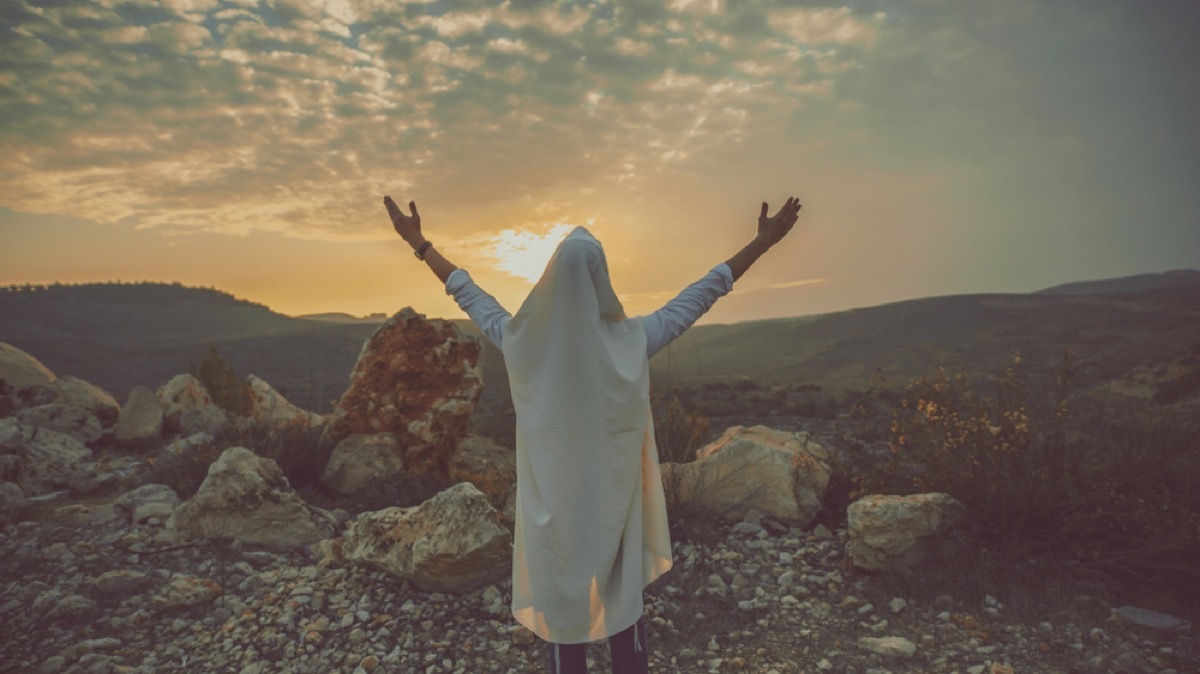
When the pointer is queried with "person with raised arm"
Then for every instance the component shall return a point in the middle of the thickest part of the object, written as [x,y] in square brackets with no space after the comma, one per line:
[591,519]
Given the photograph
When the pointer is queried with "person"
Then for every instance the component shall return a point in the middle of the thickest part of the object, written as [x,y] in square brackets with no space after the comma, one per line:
[591,521]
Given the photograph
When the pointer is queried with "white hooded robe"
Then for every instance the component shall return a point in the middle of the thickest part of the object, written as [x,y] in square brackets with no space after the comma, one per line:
[591,518]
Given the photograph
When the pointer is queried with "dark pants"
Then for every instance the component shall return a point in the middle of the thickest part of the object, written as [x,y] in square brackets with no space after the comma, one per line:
[628,648]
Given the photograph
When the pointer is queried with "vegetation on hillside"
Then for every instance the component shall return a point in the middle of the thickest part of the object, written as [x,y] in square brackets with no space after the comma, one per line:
[1114,498]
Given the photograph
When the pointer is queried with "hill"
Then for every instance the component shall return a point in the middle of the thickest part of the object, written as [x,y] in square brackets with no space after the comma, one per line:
[122,335]
[1169,279]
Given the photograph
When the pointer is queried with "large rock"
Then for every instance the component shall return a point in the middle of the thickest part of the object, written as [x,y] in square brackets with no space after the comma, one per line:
[77,422]
[20,370]
[140,424]
[453,542]
[780,474]
[76,392]
[492,468]
[897,532]
[49,460]
[362,462]
[269,408]
[246,497]
[418,379]
[188,408]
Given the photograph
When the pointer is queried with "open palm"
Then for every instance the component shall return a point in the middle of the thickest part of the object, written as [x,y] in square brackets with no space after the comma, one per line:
[407,226]
[772,229]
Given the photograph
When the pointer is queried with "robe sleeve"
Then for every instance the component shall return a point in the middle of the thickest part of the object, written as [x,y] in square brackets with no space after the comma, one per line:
[664,325]
[483,309]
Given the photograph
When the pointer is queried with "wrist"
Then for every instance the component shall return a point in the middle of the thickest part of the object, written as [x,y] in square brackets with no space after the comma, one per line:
[760,244]
[416,242]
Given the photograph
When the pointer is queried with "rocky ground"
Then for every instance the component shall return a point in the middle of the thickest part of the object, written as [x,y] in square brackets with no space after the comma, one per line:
[85,591]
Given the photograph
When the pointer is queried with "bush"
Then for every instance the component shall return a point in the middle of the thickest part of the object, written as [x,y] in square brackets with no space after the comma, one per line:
[1118,500]
[222,383]
[679,429]
[296,448]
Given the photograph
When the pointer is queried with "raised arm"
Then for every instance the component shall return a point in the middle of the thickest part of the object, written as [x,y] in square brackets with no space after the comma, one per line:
[409,229]
[771,231]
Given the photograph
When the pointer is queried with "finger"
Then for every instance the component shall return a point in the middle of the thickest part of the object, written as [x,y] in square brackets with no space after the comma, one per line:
[412,206]
[763,212]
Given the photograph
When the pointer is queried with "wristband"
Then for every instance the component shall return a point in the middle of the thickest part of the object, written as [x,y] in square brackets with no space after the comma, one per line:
[420,252]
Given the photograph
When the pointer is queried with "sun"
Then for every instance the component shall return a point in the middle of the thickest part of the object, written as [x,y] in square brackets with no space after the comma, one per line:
[524,253]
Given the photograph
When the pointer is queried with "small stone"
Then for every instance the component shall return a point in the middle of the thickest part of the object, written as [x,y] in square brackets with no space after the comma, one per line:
[888,646]
[897,605]
[53,665]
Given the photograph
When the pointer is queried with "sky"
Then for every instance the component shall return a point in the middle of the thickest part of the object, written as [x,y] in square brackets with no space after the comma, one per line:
[938,146]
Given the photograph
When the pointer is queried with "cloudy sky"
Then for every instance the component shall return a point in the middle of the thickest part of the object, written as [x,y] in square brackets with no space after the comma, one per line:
[938,146]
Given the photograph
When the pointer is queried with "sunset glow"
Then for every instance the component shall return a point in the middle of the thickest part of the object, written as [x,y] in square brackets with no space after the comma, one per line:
[939,147]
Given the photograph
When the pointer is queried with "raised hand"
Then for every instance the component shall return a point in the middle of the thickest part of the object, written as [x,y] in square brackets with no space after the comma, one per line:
[407,226]
[771,230]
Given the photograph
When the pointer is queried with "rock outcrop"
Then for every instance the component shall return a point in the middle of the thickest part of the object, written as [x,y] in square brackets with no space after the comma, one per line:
[897,532]
[48,460]
[780,474]
[77,422]
[453,542]
[76,392]
[188,408]
[362,462]
[269,408]
[140,424]
[21,371]
[492,468]
[418,379]
[246,497]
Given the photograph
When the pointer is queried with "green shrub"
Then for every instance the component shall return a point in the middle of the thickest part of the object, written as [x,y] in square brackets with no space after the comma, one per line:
[222,383]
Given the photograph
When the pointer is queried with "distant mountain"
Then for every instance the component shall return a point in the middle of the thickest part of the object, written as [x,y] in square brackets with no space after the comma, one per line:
[1128,284]
[122,335]
[338,317]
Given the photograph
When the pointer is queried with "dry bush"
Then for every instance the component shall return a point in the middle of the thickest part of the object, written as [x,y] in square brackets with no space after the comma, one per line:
[296,448]
[1111,498]
[679,429]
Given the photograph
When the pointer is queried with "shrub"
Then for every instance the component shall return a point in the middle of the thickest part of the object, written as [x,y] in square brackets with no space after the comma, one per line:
[1118,500]
[679,429]
[222,382]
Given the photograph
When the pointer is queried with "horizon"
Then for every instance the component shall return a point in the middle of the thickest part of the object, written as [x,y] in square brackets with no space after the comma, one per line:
[938,148]
[462,318]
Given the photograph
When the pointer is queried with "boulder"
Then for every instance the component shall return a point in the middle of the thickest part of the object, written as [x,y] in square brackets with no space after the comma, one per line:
[77,422]
[269,408]
[12,501]
[76,392]
[362,462]
[492,468]
[140,423]
[182,448]
[21,371]
[418,379]
[49,460]
[148,500]
[453,542]
[897,532]
[188,408]
[778,473]
[245,497]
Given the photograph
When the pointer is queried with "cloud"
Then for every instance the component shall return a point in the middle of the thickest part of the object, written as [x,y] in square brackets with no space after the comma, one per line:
[294,116]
